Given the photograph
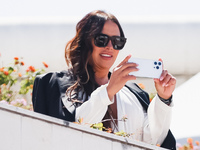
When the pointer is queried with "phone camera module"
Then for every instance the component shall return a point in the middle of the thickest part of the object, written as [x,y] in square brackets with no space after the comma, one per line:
[155,63]
[159,63]
[157,67]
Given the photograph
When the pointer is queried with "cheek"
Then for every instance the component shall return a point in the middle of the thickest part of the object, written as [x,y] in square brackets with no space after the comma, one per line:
[93,56]
[116,53]
[96,51]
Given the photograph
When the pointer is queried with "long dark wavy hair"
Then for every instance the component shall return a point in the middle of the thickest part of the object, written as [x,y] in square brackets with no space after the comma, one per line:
[78,50]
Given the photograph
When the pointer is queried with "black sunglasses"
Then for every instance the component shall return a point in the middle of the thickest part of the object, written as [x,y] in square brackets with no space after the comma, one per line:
[101,40]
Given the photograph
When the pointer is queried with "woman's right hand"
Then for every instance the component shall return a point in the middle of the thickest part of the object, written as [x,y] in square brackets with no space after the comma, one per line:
[120,76]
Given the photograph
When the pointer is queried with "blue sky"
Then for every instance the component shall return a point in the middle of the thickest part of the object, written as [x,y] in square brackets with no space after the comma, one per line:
[44,8]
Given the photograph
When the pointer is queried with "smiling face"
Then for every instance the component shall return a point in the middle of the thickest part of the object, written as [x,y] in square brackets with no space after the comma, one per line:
[104,57]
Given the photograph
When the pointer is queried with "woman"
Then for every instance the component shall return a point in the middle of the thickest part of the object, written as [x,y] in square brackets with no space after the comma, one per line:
[89,91]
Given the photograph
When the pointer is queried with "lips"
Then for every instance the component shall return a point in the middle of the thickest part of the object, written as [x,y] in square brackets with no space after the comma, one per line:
[106,55]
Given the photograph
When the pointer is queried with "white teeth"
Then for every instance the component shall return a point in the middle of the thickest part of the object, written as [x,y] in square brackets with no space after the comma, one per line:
[105,55]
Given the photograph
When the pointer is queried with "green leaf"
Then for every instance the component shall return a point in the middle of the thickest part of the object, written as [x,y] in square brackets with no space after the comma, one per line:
[97,126]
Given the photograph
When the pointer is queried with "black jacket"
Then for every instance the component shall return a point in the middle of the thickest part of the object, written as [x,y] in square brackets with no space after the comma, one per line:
[49,90]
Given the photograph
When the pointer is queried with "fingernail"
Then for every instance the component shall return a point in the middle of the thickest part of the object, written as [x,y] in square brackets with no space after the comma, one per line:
[163,84]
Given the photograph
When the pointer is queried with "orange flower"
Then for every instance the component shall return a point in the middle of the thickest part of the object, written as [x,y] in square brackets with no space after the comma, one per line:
[14,70]
[45,64]
[109,130]
[22,63]
[16,62]
[16,58]
[6,72]
[1,69]
[158,145]
[197,143]
[19,74]
[31,86]
[31,68]
[141,85]
[190,140]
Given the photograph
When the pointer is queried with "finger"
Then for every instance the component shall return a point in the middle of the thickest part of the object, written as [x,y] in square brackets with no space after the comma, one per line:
[127,68]
[160,59]
[166,80]
[163,75]
[172,81]
[130,77]
[125,60]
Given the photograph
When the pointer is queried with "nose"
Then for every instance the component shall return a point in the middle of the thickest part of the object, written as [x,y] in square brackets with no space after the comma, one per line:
[109,45]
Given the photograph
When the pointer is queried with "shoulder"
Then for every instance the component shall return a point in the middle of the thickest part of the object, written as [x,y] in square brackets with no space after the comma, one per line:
[55,75]
[60,77]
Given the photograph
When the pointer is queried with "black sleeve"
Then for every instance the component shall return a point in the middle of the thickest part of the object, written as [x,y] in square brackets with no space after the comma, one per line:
[48,91]
[39,93]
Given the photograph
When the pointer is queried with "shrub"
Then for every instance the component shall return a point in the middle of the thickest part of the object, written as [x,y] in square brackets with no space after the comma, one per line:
[15,85]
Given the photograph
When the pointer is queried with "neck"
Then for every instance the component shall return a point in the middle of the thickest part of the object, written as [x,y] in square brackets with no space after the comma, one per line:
[101,77]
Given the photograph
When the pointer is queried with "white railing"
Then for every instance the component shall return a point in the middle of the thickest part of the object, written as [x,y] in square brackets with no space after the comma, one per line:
[21,129]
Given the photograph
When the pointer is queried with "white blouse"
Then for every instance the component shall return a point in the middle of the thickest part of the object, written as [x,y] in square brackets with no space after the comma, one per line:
[151,127]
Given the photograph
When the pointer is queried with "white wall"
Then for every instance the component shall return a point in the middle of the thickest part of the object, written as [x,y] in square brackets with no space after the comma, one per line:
[22,129]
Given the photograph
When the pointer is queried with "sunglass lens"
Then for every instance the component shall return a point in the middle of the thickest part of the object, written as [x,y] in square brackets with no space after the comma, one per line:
[101,40]
[118,42]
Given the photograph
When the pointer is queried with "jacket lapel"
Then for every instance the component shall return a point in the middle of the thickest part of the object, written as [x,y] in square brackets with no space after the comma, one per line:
[141,95]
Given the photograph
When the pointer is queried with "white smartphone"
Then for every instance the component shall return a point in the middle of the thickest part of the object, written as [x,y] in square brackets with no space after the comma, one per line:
[147,68]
